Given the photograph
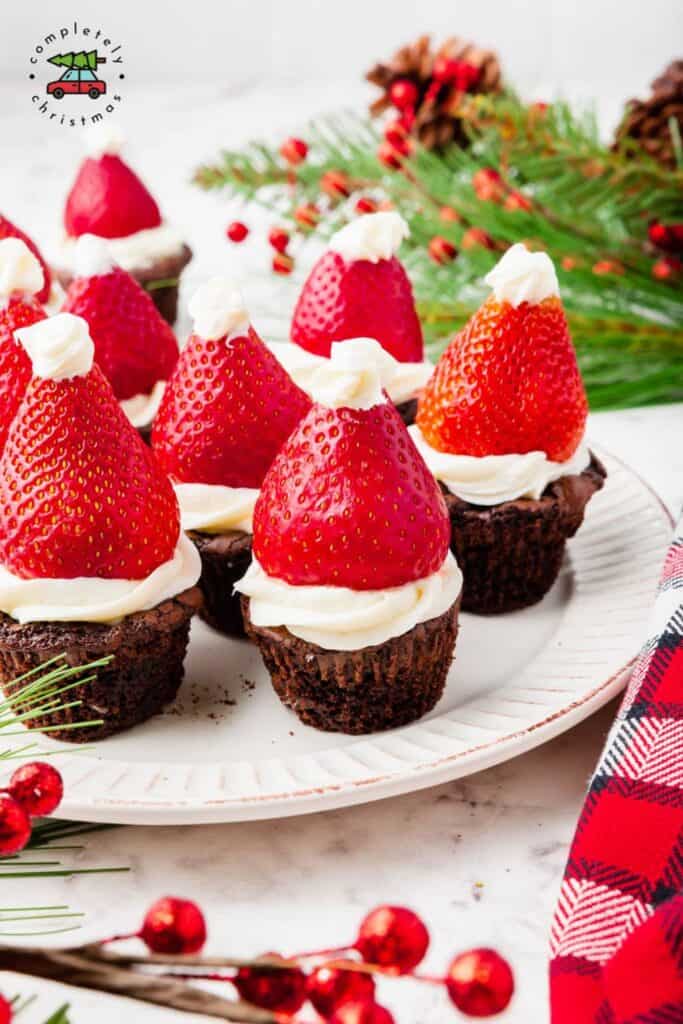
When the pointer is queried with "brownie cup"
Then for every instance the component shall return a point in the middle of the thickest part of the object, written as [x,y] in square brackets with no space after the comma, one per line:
[225,559]
[364,691]
[510,554]
[407,411]
[145,674]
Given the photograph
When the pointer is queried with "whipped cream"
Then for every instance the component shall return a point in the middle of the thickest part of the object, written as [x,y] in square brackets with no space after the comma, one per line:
[492,479]
[212,508]
[20,271]
[103,138]
[522,276]
[98,600]
[135,252]
[373,237]
[55,299]
[91,257]
[404,382]
[341,619]
[59,347]
[218,309]
[141,409]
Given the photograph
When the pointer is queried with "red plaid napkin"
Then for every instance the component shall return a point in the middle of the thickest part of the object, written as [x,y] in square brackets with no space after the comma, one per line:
[617,937]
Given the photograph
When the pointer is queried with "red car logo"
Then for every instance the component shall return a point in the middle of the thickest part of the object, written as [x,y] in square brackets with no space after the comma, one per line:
[81,81]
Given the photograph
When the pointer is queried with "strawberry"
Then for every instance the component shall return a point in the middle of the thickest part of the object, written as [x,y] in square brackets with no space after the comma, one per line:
[134,345]
[507,383]
[226,411]
[349,502]
[15,365]
[352,296]
[80,492]
[9,230]
[108,199]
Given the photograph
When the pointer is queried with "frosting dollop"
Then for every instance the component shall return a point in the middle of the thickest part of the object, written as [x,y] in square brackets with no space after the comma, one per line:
[103,138]
[354,376]
[138,251]
[141,409]
[59,347]
[373,237]
[98,600]
[218,309]
[91,257]
[212,508]
[403,383]
[20,271]
[493,479]
[340,619]
[523,276]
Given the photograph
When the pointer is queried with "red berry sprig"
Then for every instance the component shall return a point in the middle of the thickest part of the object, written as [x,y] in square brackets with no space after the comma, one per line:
[173,926]
[441,250]
[394,938]
[668,237]
[366,205]
[336,184]
[281,989]
[488,185]
[404,94]
[282,263]
[666,269]
[365,1012]
[307,216]
[329,988]
[237,231]
[278,238]
[15,826]
[474,237]
[294,151]
[480,982]
[34,790]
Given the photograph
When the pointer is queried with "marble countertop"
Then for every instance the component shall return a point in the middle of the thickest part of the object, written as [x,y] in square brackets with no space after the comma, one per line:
[481,858]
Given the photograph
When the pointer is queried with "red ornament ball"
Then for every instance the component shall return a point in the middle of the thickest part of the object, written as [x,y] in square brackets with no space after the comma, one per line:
[237,231]
[174,926]
[441,250]
[480,982]
[272,989]
[5,1011]
[15,826]
[294,151]
[282,263]
[403,94]
[278,238]
[38,787]
[394,938]
[332,987]
[365,1012]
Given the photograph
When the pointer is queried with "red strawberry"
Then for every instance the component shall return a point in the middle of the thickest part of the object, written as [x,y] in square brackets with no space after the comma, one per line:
[15,365]
[226,412]
[507,383]
[107,197]
[134,345]
[8,230]
[349,502]
[347,297]
[80,492]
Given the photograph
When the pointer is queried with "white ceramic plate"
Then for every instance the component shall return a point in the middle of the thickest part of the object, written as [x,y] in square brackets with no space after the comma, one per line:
[227,749]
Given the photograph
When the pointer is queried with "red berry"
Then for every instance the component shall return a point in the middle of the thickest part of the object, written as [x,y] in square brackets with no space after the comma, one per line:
[366,205]
[237,231]
[335,184]
[667,268]
[15,826]
[294,151]
[403,94]
[174,926]
[445,69]
[272,988]
[282,263]
[364,1012]
[474,237]
[659,234]
[517,201]
[603,267]
[394,938]
[332,987]
[278,238]
[307,215]
[480,982]
[448,214]
[466,76]
[441,250]
[488,185]
[38,787]
[5,1011]
[389,156]
[396,133]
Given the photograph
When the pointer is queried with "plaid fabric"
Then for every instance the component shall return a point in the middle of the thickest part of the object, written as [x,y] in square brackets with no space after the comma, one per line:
[617,937]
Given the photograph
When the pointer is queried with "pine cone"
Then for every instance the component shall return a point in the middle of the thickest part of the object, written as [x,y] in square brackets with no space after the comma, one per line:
[648,121]
[441,111]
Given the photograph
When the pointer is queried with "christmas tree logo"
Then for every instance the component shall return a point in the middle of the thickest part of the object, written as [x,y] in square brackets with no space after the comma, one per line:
[80,77]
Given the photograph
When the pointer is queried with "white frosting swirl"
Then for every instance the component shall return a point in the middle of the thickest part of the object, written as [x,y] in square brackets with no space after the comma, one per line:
[492,479]
[91,257]
[212,508]
[141,409]
[522,276]
[103,137]
[341,619]
[59,347]
[98,600]
[218,309]
[55,299]
[20,271]
[373,237]
[135,252]
[405,381]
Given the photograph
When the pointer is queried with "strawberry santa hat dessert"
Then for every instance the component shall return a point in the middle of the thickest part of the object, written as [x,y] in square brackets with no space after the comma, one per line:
[50,291]
[359,288]
[21,281]
[226,411]
[501,425]
[134,346]
[92,558]
[352,595]
[109,200]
